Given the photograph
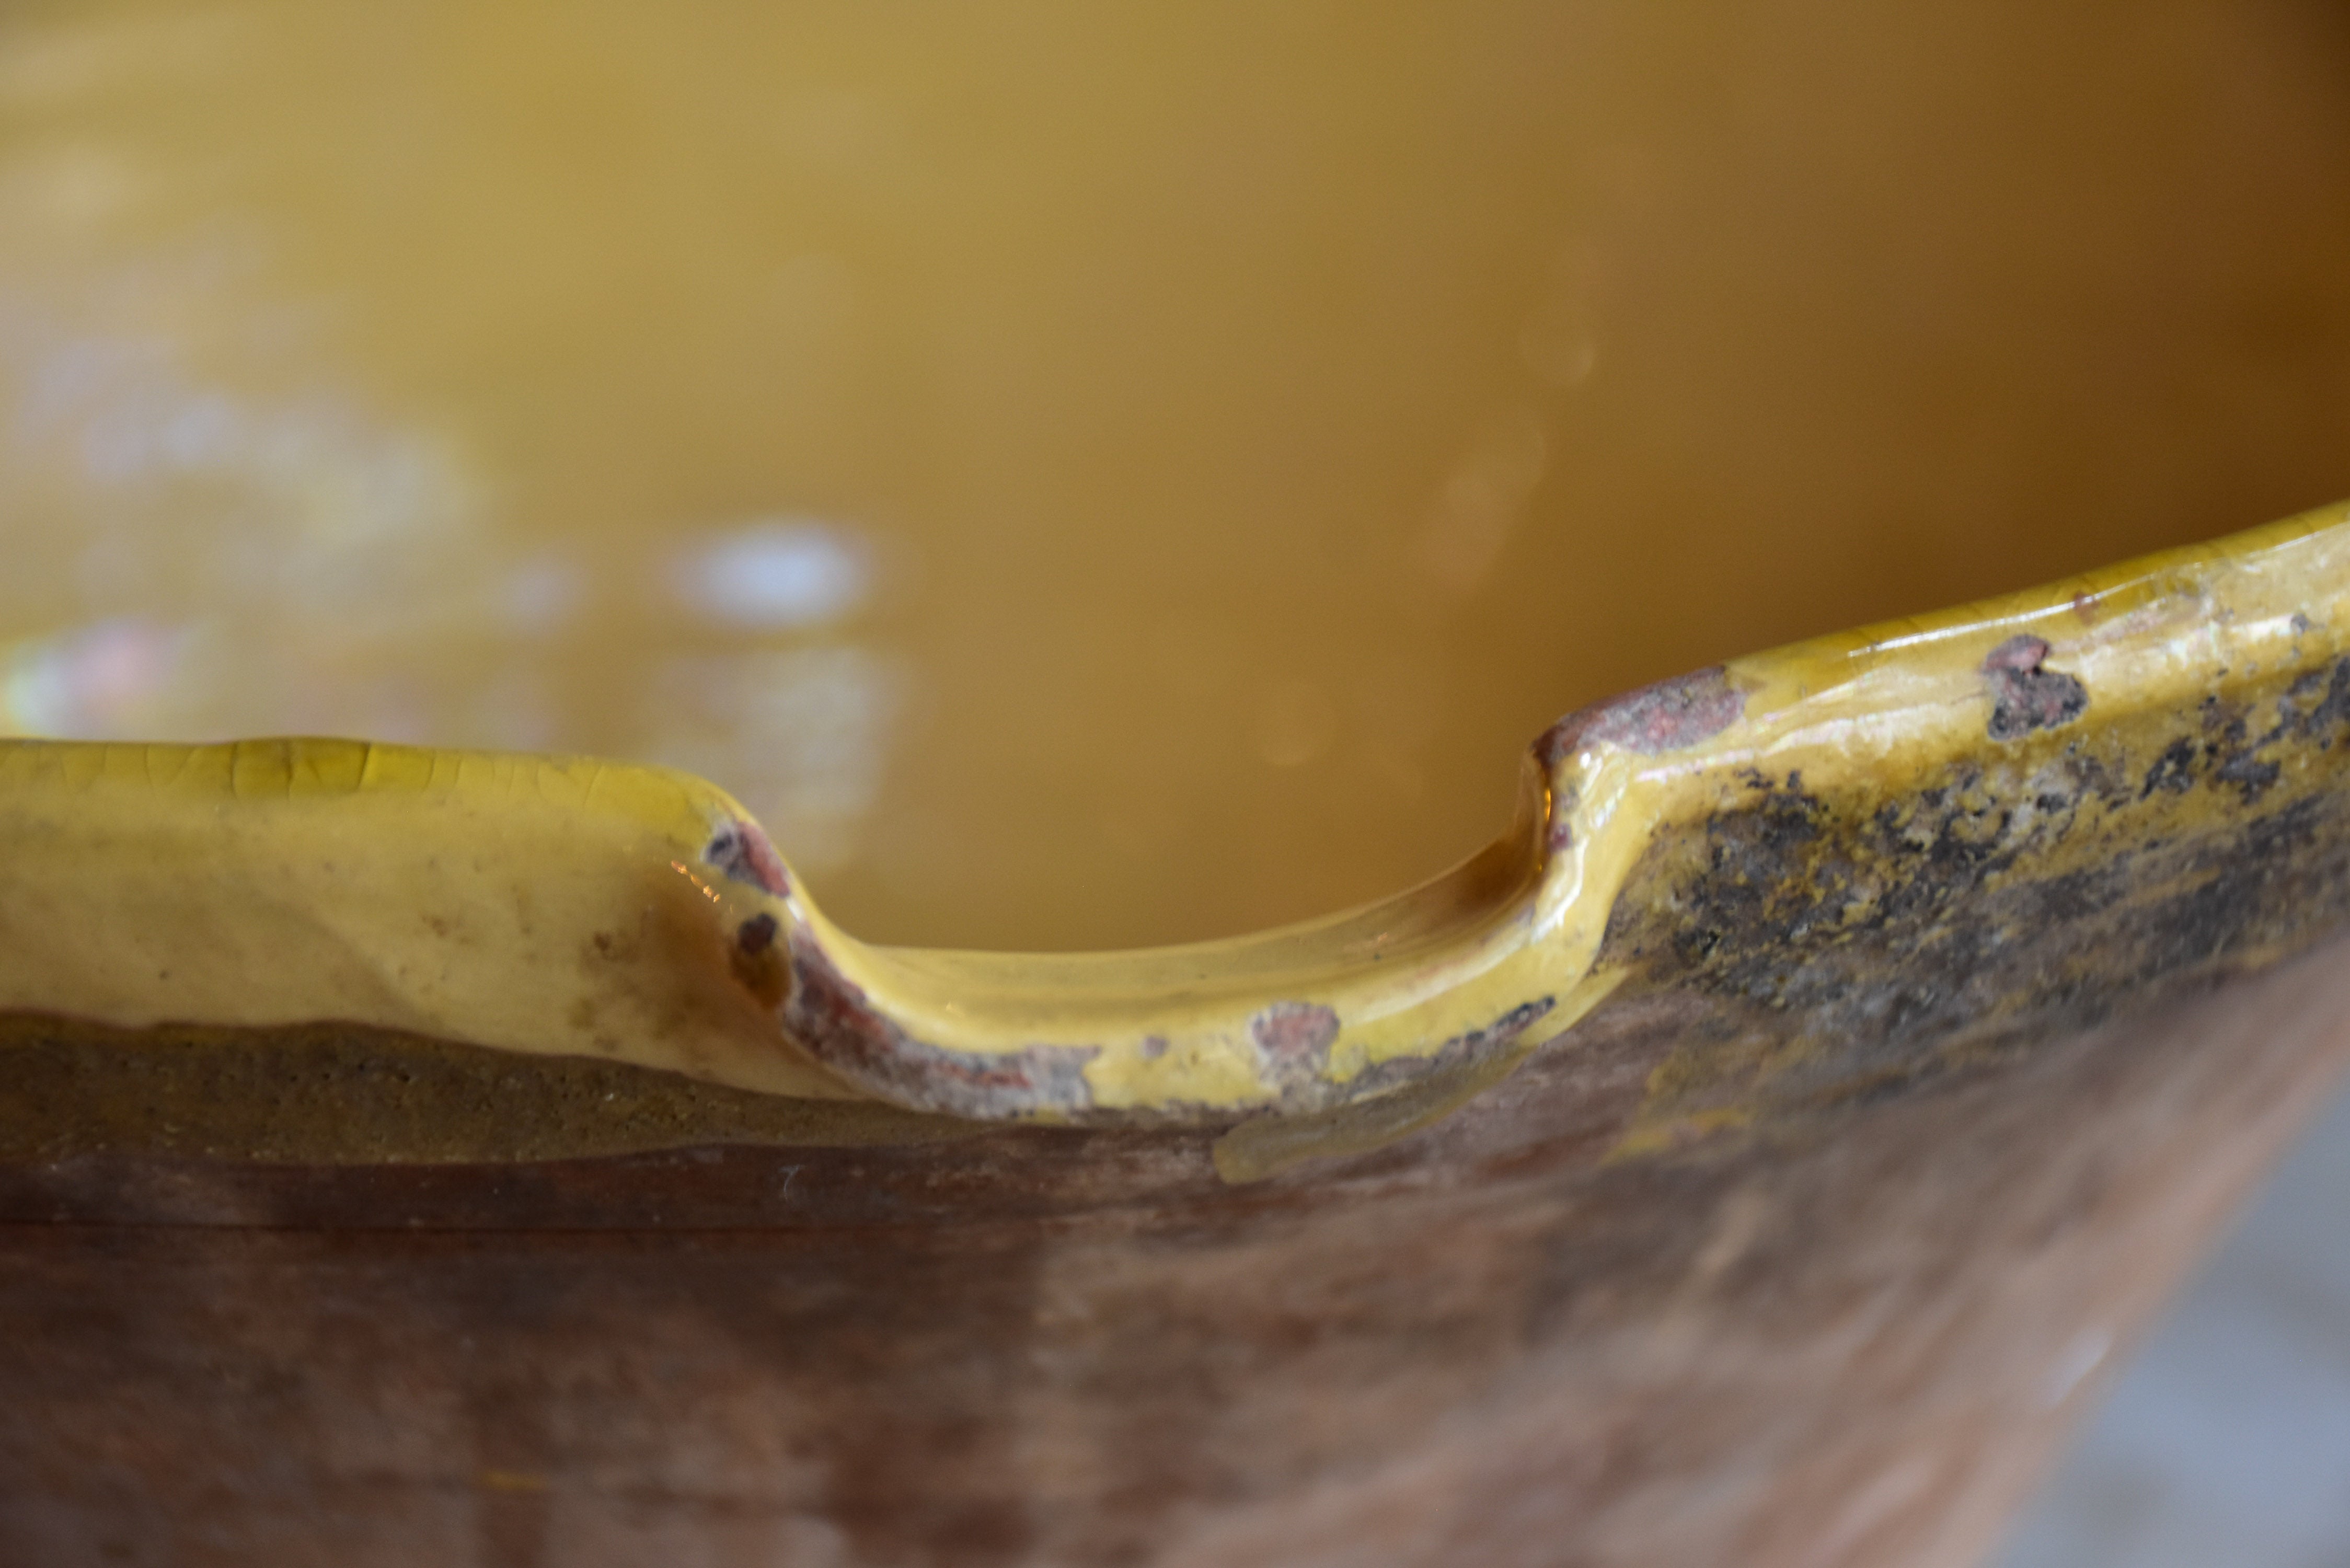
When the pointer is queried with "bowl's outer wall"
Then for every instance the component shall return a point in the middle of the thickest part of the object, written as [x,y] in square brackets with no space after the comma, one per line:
[1850,1342]
[1905,1107]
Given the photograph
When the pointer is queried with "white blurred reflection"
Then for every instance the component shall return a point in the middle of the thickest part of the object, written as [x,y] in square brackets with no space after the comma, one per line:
[228,539]
[798,735]
[1484,499]
[93,682]
[190,491]
[777,574]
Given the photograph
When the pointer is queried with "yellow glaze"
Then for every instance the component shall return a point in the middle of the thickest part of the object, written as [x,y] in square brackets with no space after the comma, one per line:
[526,903]
[1091,476]
[1085,479]
[573,907]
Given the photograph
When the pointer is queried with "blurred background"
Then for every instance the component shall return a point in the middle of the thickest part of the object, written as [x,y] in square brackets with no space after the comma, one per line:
[1090,476]
[2226,1439]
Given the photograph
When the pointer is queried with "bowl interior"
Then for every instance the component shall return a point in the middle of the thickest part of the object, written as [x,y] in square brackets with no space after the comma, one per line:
[1094,476]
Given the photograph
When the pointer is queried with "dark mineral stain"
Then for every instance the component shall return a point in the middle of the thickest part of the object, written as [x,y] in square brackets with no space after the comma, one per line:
[1459,1051]
[1857,946]
[614,948]
[2173,771]
[2312,711]
[755,935]
[2234,756]
[2333,710]
[2027,696]
[2251,775]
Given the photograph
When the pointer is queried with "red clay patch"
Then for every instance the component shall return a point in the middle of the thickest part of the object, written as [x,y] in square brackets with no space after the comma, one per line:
[1666,717]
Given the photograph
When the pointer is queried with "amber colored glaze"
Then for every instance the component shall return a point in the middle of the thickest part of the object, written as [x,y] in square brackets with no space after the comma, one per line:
[2006,757]
[1093,477]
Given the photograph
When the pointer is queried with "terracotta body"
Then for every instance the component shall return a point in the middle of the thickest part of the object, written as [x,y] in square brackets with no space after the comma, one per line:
[1856,1345]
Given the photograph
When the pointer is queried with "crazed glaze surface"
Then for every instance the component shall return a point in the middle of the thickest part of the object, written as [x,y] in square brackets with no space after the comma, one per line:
[583,908]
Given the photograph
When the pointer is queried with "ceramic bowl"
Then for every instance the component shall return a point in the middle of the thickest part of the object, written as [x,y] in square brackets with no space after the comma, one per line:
[880,581]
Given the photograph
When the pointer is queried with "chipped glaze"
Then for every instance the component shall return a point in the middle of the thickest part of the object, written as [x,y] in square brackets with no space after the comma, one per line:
[569,907]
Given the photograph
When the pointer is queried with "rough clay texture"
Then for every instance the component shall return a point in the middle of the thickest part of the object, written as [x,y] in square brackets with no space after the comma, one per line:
[1802,1249]
[1665,717]
[1292,1043]
[743,851]
[831,1016]
[1852,946]
[322,1094]
[2027,696]
[1461,1052]
[1852,1345]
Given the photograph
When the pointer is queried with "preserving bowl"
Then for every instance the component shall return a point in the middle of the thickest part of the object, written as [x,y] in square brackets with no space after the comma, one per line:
[852,586]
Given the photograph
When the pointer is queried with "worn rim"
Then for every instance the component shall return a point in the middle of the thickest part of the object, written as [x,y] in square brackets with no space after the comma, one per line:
[569,907]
